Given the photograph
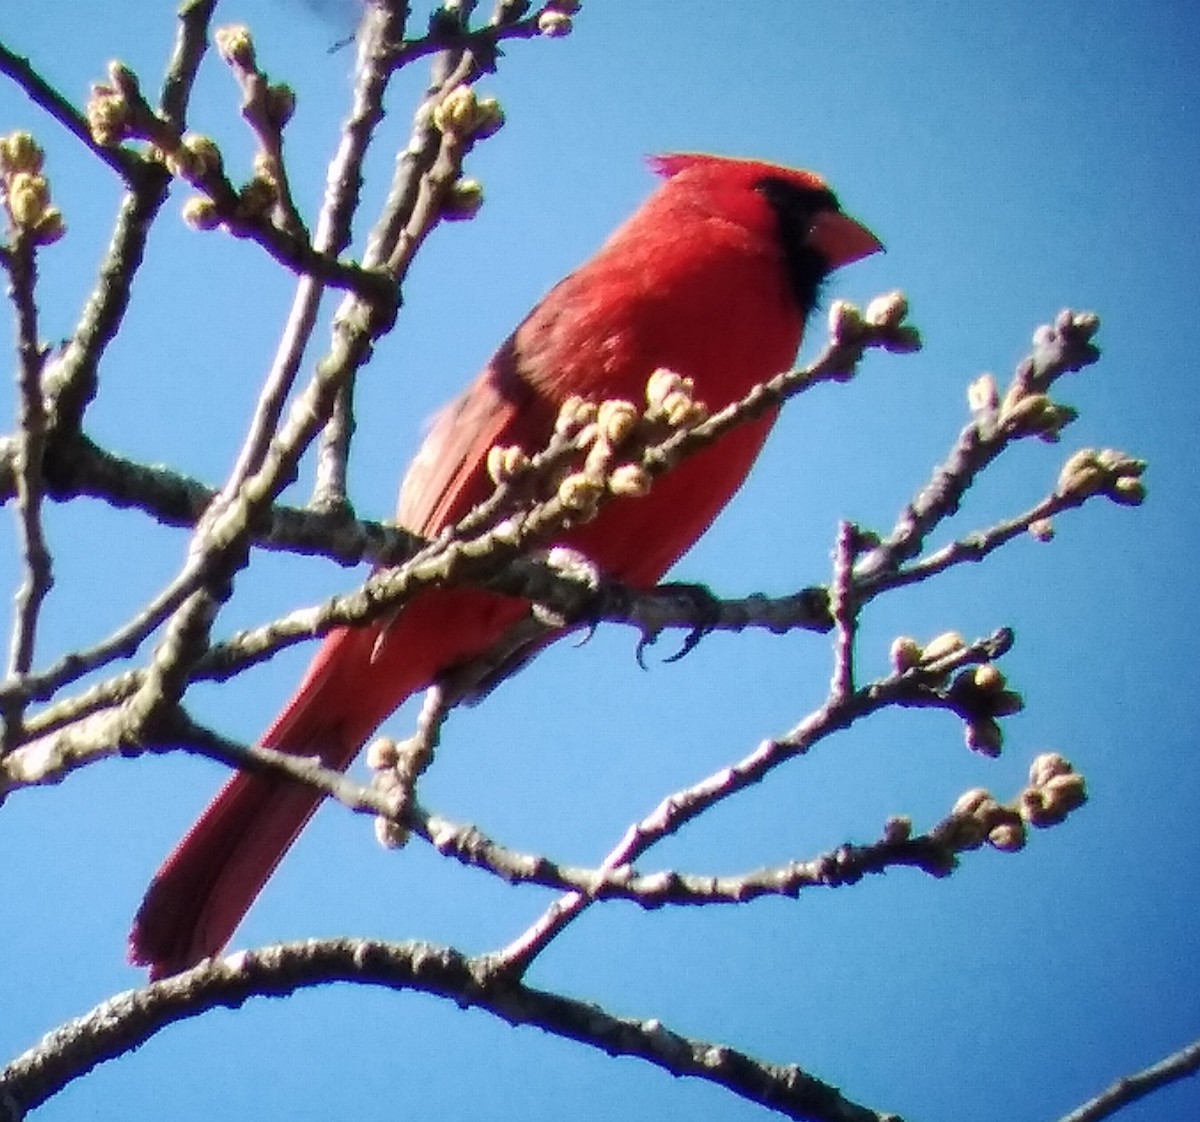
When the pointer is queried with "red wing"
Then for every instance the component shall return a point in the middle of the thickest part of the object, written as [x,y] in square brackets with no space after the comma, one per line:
[449,473]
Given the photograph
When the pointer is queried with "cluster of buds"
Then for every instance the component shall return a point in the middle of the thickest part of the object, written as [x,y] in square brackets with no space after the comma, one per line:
[977,693]
[907,654]
[602,429]
[466,116]
[554,20]
[193,158]
[1023,413]
[1055,790]
[976,818]
[1105,472]
[268,106]
[114,106]
[397,766]
[235,45]
[671,399]
[1073,327]
[884,322]
[980,696]
[25,191]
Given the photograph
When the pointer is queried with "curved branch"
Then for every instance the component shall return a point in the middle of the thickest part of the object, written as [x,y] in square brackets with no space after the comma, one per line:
[125,1022]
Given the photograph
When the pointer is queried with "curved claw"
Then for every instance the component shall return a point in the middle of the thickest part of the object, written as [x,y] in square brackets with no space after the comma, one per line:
[647,640]
[705,606]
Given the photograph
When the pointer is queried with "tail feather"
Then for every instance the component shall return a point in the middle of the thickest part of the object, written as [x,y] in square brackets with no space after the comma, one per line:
[206,886]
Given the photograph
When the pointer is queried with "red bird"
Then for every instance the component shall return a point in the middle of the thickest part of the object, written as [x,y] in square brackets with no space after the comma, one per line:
[713,279]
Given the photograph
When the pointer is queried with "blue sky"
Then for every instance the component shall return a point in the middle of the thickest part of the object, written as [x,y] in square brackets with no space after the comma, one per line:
[1016,159]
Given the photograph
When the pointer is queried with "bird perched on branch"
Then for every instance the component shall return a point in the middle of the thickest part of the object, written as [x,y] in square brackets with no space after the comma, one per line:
[709,283]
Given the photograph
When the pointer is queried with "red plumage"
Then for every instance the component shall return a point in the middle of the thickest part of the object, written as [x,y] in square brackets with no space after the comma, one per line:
[711,278]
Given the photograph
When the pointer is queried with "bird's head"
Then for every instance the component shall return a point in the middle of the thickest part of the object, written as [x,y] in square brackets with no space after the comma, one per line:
[796,207]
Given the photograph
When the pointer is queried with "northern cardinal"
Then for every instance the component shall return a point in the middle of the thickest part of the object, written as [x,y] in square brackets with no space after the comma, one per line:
[713,279]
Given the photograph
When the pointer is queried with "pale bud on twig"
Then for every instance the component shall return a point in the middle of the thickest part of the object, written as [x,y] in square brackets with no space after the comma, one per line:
[888,310]
[905,653]
[631,480]
[201,213]
[235,45]
[462,200]
[554,23]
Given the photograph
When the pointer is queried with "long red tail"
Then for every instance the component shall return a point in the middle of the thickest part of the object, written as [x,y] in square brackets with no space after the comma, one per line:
[205,887]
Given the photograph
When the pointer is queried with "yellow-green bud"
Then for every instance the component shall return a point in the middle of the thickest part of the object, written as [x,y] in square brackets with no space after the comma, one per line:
[943,646]
[206,154]
[236,45]
[616,420]
[50,228]
[200,213]
[579,491]
[20,152]
[631,480]
[256,199]
[988,678]
[281,104]
[505,462]
[462,200]
[107,116]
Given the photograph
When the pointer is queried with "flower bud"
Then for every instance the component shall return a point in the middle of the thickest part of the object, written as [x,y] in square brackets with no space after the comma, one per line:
[20,152]
[554,24]
[888,310]
[50,228]
[281,104]
[897,829]
[206,154]
[1065,792]
[845,321]
[200,213]
[905,653]
[946,644]
[984,736]
[382,753]
[236,45]
[463,200]
[630,480]
[28,198]
[970,803]
[108,116]
[1046,766]
[1042,529]
[988,678]
[616,420]
[1008,837]
[982,395]
[505,462]
[579,491]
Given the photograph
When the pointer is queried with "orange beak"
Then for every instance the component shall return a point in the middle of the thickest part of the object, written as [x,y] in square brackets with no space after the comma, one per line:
[841,240]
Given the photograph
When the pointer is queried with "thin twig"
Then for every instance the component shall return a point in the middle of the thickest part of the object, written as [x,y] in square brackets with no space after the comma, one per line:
[901,688]
[1130,1088]
[31,445]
